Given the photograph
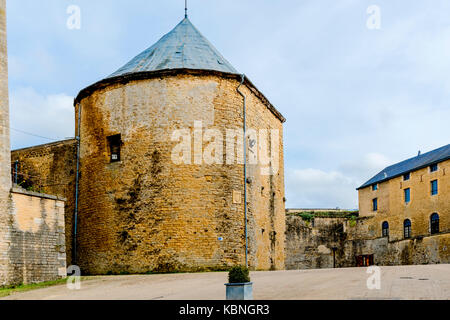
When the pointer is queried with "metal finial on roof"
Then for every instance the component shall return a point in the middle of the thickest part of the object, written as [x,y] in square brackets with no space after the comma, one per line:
[185,9]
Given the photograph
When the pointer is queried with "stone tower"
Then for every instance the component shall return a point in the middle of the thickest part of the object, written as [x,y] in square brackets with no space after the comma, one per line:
[5,171]
[141,207]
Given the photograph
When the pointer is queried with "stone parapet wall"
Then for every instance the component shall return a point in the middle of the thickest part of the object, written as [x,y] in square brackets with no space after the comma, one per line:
[34,242]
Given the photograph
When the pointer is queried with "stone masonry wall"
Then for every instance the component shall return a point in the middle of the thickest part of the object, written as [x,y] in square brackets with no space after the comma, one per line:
[309,246]
[34,241]
[5,178]
[146,213]
[50,169]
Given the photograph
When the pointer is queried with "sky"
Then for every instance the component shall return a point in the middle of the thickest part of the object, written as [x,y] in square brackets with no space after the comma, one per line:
[360,89]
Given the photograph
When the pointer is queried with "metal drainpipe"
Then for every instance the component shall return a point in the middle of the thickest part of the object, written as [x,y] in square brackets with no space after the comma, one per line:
[245,166]
[75,229]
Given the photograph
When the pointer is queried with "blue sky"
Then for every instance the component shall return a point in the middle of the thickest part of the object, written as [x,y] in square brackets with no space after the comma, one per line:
[355,99]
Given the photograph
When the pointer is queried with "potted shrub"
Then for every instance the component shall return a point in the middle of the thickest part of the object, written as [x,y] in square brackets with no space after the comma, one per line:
[239,286]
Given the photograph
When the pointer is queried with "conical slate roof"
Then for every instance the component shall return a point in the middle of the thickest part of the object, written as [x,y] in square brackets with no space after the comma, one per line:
[182,48]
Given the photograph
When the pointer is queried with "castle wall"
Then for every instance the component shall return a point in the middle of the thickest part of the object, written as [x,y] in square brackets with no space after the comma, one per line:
[309,247]
[50,169]
[146,213]
[34,241]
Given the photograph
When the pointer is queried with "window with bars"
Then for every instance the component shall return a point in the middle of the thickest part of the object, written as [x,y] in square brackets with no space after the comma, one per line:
[385,229]
[407,229]
[434,223]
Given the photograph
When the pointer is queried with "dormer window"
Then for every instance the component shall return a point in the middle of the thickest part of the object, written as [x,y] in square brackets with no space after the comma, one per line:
[114,143]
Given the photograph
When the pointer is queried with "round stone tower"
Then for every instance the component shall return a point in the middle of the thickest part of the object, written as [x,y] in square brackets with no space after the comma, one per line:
[161,184]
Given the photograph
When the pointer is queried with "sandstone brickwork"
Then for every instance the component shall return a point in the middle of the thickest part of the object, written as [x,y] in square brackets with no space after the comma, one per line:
[314,245]
[336,242]
[50,169]
[364,236]
[33,239]
[5,178]
[146,213]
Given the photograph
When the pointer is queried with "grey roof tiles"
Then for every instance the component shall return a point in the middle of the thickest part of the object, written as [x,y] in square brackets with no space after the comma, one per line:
[182,48]
[421,161]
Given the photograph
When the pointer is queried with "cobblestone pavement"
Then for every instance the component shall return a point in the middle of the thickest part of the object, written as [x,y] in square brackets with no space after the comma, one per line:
[404,282]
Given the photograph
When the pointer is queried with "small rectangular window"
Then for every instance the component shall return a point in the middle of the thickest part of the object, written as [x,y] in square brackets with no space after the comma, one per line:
[406,176]
[375,204]
[434,187]
[434,167]
[408,195]
[115,143]
[374,187]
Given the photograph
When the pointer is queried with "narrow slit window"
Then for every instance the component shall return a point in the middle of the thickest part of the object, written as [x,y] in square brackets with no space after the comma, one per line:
[115,143]
[375,204]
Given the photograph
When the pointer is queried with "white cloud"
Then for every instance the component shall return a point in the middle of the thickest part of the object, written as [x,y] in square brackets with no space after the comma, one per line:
[362,168]
[49,116]
[313,188]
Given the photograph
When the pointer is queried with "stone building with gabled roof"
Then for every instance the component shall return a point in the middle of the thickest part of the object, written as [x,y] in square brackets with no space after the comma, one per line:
[411,198]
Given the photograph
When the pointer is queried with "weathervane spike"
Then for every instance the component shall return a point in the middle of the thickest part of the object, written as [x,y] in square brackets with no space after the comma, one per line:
[185,9]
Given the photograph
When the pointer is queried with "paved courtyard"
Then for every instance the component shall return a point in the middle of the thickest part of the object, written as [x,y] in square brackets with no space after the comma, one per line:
[405,282]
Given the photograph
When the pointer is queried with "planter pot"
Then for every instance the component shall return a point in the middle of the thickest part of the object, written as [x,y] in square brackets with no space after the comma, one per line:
[239,291]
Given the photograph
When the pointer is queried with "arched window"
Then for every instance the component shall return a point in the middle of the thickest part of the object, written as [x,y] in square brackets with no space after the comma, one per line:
[407,228]
[434,223]
[385,229]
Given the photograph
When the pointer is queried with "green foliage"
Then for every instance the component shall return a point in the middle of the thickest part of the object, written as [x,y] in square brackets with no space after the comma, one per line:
[239,274]
[307,217]
[352,221]
[7,290]
[310,215]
